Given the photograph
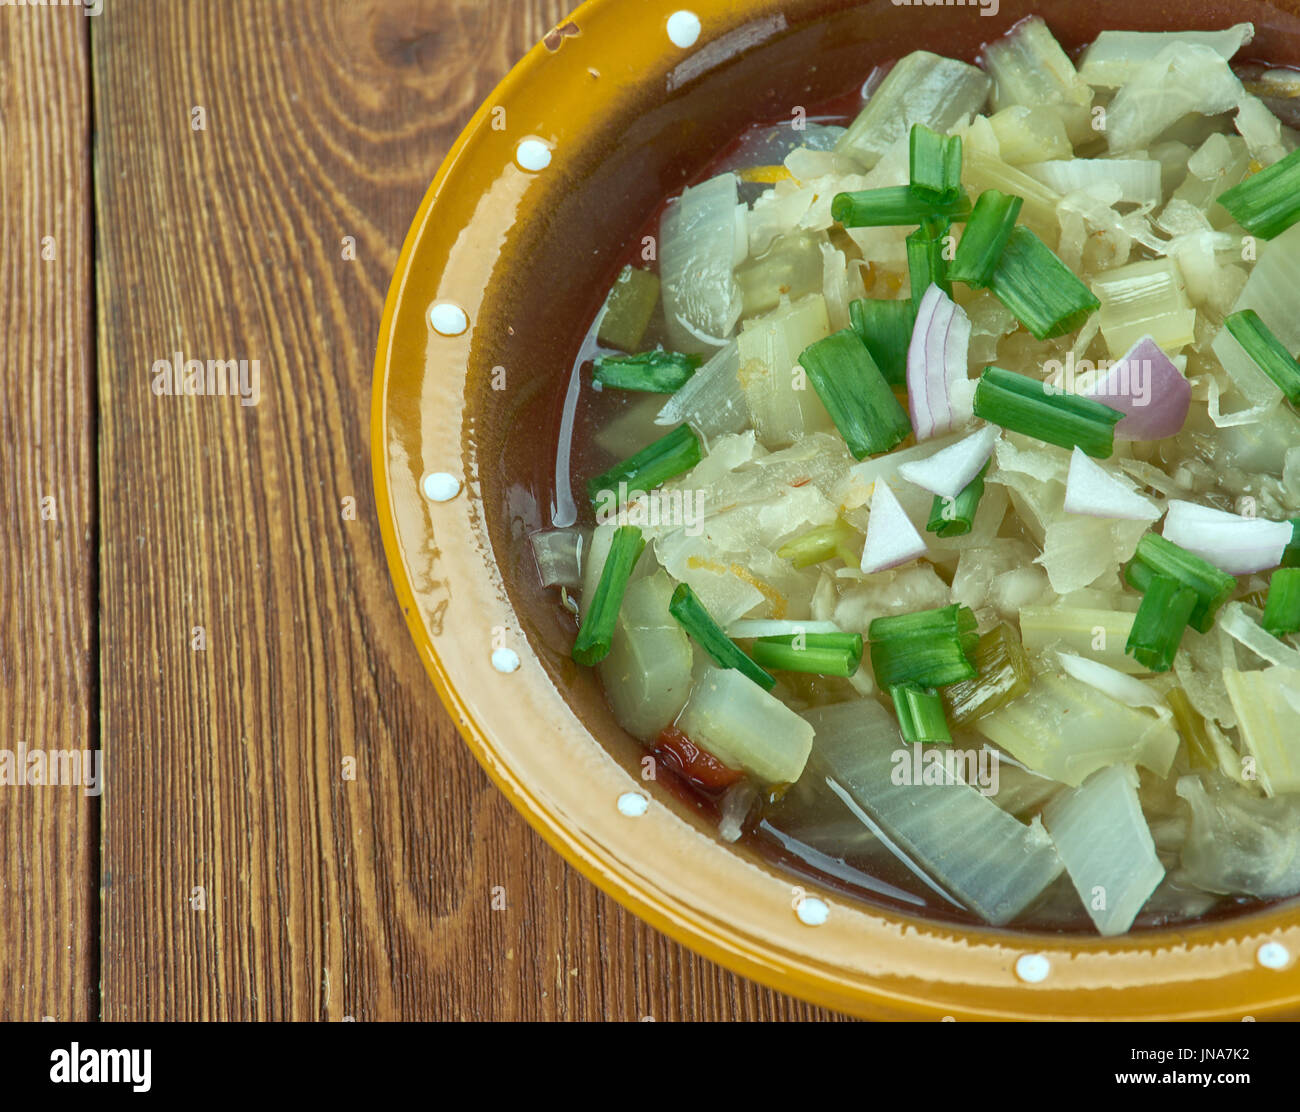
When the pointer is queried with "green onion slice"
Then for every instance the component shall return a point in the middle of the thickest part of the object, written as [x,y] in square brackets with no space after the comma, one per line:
[1038,288]
[855,394]
[1156,557]
[931,648]
[596,633]
[954,517]
[1158,626]
[886,328]
[926,265]
[986,236]
[935,163]
[705,632]
[823,654]
[655,372]
[1267,351]
[920,713]
[894,205]
[1282,609]
[1268,203]
[667,457]
[1037,409]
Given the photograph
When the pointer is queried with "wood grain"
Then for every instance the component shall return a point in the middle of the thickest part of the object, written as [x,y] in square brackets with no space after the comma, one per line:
[322,897]
[48,834]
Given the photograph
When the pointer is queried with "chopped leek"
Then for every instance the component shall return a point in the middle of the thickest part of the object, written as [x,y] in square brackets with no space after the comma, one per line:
[745,727]
[886,328]
[1103,838]
[855,394]
[1045,412]
[655,372]
[701,240]
[1282,610]
[987,233]
[1192,726]
[768,347]
[601,612]
[1161,619]
[1042,291]
[1068,730]
[823,654]
[920,88]
[1267,352]
[954,517]
[935,165]
[1268,203]
[1145,298]
[1004,674]
[712,402]
[668,456]
[705,632]
[821,543]
[1156,556]
[1029,67]
[1266,703]
[920,713]
[892,206]
[628,309]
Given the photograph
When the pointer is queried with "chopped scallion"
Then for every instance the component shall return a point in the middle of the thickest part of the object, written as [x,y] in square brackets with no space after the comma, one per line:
[886,328]
[954,517]
[1023,404]
[1191,725]
[667,457]
[987,232]
[656,372]
[1156,556]
[926,265]
[821,543]
[1004,674]
[705,632]
[1038,288]
[1291,554]
[1162,616]
[1282,610]
[920,714]
[855,394]
[822,654]
[597,630]
[1267,351]
[893,205]
[1268,203]
[931,648]
[935,163]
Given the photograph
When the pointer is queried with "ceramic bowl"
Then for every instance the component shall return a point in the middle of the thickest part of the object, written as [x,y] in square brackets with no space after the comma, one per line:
[506,262]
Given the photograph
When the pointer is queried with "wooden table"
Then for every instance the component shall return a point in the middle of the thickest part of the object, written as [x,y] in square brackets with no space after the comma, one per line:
[198,588]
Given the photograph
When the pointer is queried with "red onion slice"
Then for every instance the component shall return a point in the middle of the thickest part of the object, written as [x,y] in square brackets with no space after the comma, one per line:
[1092,490]
[1148,389]
[1235,544]
[892,539]
[936,362]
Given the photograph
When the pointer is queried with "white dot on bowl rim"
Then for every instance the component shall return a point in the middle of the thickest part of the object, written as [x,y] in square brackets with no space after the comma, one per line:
[1273,955]
[447,318]
[438,486]
[533,154]
[683,28]
[633,804]
[1033,968]
[811,911]
[505,660]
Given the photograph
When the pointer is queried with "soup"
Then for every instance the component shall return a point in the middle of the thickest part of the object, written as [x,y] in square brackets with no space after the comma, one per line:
[926,486]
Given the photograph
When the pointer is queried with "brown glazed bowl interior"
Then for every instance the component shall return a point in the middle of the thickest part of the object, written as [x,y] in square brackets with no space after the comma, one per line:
[628,117]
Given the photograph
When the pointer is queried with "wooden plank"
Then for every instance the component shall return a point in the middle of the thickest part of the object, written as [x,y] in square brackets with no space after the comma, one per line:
[49,835]
[251,639]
